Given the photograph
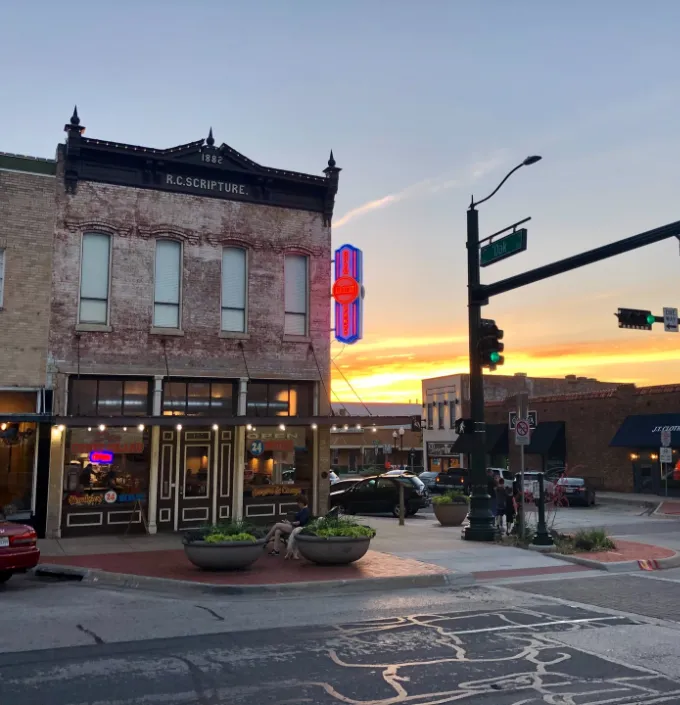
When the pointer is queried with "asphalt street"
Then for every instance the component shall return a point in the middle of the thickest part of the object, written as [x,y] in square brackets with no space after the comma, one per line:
[67,644]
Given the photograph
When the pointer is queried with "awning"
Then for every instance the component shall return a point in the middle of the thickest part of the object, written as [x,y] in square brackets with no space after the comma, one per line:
[547,437]
[645,431]
[496,440]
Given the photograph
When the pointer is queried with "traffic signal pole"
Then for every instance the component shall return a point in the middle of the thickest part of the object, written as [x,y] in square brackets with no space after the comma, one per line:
[482,522]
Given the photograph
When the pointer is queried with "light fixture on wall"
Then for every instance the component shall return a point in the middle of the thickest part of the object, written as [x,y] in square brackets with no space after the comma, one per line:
[61,427]
[102,427]
[375,429]
[334,427]
[249,427]
[215,427]
[314,427]
[3,426]
[282,427]
[179,426]
[89,428]
[358,427]
[124,428]
[345,427]
[140,427]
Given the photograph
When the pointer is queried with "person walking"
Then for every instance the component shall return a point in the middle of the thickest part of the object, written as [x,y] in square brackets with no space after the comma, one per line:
[501,503]
[510,508]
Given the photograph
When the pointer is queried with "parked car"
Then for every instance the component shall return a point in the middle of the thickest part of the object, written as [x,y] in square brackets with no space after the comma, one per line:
[344,484]
[429,479]
[507,476]
[19,550]
[576,491]
[531,484]
[333,477]
[452,479]
[380,494]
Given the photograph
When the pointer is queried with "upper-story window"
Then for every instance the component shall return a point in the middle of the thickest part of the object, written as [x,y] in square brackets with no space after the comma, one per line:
[296,295]
[452,414]
[440,413]
[2,277]
[95,267]
[167,287]
[90,396]
[234,278]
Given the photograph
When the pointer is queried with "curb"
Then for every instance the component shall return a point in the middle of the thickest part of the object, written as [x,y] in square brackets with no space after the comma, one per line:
[631,502]
[101,578]
[621,566]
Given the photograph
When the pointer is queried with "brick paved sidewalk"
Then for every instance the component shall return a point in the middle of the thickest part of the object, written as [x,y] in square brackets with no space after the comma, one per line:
[629,551]
[270,570]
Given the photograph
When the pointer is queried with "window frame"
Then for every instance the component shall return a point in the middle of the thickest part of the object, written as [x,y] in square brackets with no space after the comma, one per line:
[441,406]
[289,384]
[111,378]
[108,283]
[180,296]
[305,256]
[246,266]
[186,381]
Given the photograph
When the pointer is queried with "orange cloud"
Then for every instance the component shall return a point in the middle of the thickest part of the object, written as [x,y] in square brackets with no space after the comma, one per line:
[397,377]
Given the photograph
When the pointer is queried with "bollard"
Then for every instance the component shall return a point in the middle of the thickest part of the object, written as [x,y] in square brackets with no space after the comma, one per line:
[542,537]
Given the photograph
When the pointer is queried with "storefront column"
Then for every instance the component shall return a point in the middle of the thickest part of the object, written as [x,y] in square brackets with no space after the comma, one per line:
[315,455]
[56,482]
[152,506]
[239,451]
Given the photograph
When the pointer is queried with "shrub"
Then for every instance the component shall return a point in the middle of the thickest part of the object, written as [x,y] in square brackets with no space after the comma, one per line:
[221,538]
[451,497]
[329,527]
[592,540]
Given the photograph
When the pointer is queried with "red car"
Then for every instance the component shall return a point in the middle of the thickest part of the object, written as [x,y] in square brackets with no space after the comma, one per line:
[19,550]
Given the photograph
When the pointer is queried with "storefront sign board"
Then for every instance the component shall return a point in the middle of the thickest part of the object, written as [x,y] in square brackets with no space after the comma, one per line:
[348,294]
[112,440]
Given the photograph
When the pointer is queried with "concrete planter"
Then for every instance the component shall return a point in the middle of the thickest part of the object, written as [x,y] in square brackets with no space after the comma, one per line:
[332,551]
[233,555]
[451,514]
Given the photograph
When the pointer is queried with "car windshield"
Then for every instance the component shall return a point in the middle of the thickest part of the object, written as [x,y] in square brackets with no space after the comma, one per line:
[572,481]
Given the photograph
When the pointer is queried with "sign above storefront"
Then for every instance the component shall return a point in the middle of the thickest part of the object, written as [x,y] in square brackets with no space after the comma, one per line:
[112,441]
[289,439]
[212,187]
[348,293]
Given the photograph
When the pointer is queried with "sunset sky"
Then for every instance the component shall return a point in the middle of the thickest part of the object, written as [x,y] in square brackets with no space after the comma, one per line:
[423,104]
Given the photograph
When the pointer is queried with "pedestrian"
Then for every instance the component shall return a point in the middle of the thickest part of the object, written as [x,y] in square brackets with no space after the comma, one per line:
[501,503]
[491,489]
[510,509]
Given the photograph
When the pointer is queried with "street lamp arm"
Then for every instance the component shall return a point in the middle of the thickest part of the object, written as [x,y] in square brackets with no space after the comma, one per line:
[527,162]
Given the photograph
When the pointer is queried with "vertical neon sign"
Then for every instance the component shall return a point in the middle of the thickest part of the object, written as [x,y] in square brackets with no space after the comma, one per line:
[348,294]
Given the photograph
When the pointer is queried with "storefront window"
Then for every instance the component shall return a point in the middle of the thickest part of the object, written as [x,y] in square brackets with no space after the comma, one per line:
[106,467]
[109,397]
[280,399]
[277,462]
[17,453]
[200,398]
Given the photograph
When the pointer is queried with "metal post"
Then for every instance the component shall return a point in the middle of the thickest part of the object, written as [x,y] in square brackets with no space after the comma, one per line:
[482,526]
[542,538]
[402,508]
[522,515]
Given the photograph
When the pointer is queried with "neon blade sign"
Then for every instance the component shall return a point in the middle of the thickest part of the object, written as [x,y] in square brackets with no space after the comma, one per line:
[101,457]
[348,294]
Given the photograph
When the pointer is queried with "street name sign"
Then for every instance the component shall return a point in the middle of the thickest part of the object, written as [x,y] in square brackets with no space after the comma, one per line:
[670,320]
[666,455]
[532,417]
[522,433]
[665,437]
[507,246]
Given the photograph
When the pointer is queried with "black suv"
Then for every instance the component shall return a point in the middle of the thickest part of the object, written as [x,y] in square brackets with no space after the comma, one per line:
[380,494]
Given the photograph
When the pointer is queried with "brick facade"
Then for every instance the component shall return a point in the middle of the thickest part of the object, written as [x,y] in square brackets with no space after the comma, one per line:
[591,421]
[27,212]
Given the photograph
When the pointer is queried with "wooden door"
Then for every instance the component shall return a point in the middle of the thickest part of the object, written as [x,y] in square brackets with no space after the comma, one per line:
[195,486]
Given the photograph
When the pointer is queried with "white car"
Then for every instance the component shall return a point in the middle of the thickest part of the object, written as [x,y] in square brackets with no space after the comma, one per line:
[333,477]
[531,484]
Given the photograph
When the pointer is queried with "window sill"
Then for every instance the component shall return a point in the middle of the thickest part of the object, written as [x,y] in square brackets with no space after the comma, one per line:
[167,331]
[93,328]
[233,335]
[296,339]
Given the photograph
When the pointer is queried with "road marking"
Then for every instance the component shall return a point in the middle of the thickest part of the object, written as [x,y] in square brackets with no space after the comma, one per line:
[585,620]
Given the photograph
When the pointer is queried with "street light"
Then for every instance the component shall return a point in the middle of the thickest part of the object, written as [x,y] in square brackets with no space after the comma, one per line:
[481,526]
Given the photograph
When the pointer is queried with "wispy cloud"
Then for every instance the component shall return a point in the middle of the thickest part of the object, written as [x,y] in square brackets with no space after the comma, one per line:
[469,175]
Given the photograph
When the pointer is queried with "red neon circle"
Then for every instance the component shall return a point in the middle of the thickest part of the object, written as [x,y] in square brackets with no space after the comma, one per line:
[346,290]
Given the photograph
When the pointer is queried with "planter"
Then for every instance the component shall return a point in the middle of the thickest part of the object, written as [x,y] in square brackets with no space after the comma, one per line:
[234,555]
[336,550]
[451,514]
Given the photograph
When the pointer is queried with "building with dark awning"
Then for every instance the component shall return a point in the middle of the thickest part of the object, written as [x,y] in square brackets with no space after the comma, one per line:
[645,431]
[547,439]
[496,440]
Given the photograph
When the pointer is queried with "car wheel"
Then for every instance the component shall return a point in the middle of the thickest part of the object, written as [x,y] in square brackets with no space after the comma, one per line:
[5,575]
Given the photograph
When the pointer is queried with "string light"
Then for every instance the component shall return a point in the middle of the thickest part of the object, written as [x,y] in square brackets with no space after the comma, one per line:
[179,426]
[282,427]
[140,427]
[249,427]
[314,427]
[215,427]
[102,427]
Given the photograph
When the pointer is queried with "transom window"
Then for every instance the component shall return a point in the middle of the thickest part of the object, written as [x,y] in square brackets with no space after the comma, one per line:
[109,397]
[198,398]
[280,399]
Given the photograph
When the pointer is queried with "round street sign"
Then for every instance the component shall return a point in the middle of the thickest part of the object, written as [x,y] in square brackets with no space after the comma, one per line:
[522,428]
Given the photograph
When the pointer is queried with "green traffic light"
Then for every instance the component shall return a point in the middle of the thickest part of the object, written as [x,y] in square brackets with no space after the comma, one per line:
[495,357]
[651,319]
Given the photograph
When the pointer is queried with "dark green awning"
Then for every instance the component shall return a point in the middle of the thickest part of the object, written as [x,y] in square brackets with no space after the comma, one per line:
[547,438]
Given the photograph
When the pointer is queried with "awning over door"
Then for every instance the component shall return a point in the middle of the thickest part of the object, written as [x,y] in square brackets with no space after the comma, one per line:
[548,438]
[645,431]
[496,440]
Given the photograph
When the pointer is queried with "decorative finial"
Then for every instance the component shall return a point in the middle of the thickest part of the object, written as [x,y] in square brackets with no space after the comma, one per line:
[75,120]
[331,160]
[211,140]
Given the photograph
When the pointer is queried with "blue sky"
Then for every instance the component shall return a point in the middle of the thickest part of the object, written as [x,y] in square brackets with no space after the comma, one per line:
[423,103]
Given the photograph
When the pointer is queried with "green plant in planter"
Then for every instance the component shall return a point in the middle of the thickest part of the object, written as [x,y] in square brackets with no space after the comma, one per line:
[451,497]
[234,531]
[338,528]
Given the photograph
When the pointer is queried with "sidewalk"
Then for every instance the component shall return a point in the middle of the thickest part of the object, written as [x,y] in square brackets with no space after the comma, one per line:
[671,504]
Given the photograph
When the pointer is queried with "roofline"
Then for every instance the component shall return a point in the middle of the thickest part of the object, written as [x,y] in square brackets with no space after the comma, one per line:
[27,164]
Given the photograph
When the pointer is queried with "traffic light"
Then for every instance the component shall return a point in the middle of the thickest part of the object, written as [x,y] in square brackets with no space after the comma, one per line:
[490,347]
[464,426]
[635,318]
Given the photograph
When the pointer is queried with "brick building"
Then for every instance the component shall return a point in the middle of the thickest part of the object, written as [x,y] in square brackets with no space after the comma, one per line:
[189,337]
[27,209]
[446,399]
[611,437]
